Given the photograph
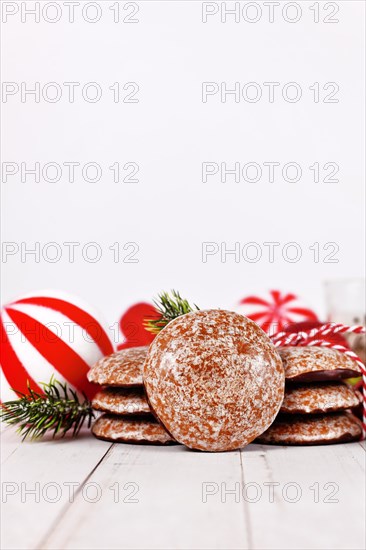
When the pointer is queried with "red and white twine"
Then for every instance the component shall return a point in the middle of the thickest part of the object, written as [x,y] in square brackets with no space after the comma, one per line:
[315,337]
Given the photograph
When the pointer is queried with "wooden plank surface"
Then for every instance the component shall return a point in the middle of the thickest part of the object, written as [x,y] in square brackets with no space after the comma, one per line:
[47,468]
[135,496]
[318,496]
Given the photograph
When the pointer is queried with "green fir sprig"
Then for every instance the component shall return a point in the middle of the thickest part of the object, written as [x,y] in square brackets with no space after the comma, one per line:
[58,410]
[169,306]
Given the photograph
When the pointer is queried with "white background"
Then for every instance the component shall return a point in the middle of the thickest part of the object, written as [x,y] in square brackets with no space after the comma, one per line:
[169,133]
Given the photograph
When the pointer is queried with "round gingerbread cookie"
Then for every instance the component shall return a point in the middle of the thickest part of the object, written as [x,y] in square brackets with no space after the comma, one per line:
[313,429]
[123,401]
[319,398]
[214,380]
[123,369]
[315,364]
[124,429]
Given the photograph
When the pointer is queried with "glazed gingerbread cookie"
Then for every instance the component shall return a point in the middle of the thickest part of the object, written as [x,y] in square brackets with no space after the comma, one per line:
[313,429]
[214,380]
[123,429]
[315,364]
[319,398]
[122,401]
[122,369]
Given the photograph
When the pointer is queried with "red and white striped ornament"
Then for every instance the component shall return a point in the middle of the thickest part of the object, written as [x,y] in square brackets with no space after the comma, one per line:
[317,337]
[49,333]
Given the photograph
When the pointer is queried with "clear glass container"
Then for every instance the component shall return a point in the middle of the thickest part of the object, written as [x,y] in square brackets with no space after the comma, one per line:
[345,303]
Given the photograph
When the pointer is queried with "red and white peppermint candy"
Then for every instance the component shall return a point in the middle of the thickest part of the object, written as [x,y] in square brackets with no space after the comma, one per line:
[276,311]
[316,337]
[47,334]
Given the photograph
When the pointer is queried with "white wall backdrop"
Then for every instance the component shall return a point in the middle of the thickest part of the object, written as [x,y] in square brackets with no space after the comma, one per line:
[167,132]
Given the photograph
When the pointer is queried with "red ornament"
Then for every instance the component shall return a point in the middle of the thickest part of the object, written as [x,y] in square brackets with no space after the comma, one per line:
[132,325]
[278,312]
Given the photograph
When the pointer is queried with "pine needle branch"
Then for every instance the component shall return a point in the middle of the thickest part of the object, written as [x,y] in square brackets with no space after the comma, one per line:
[58,410]
[169,307]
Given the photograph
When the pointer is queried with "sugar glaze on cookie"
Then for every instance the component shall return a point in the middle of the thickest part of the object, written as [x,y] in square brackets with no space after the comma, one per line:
[319,398]
[313,429]
[313,363]
[123,368]
[214,379]
[131,429]
[123,401]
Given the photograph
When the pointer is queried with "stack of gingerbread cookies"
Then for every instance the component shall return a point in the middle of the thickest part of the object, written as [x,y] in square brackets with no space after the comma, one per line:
[126,413]
[217,398]
[317,405]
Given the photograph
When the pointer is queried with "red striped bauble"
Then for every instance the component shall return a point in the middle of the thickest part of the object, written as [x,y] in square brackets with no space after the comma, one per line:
[49,333]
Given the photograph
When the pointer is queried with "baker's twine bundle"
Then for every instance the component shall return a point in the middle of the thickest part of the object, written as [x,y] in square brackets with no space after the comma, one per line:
[315,337]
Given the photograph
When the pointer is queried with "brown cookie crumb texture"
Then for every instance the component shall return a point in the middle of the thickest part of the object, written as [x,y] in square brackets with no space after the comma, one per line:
[312,363]
[313,430]
[123,368]
[131,430]
[121,401]
[319,398]
[214,379]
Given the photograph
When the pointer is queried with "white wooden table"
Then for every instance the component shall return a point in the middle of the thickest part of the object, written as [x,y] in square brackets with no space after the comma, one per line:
[85,493]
